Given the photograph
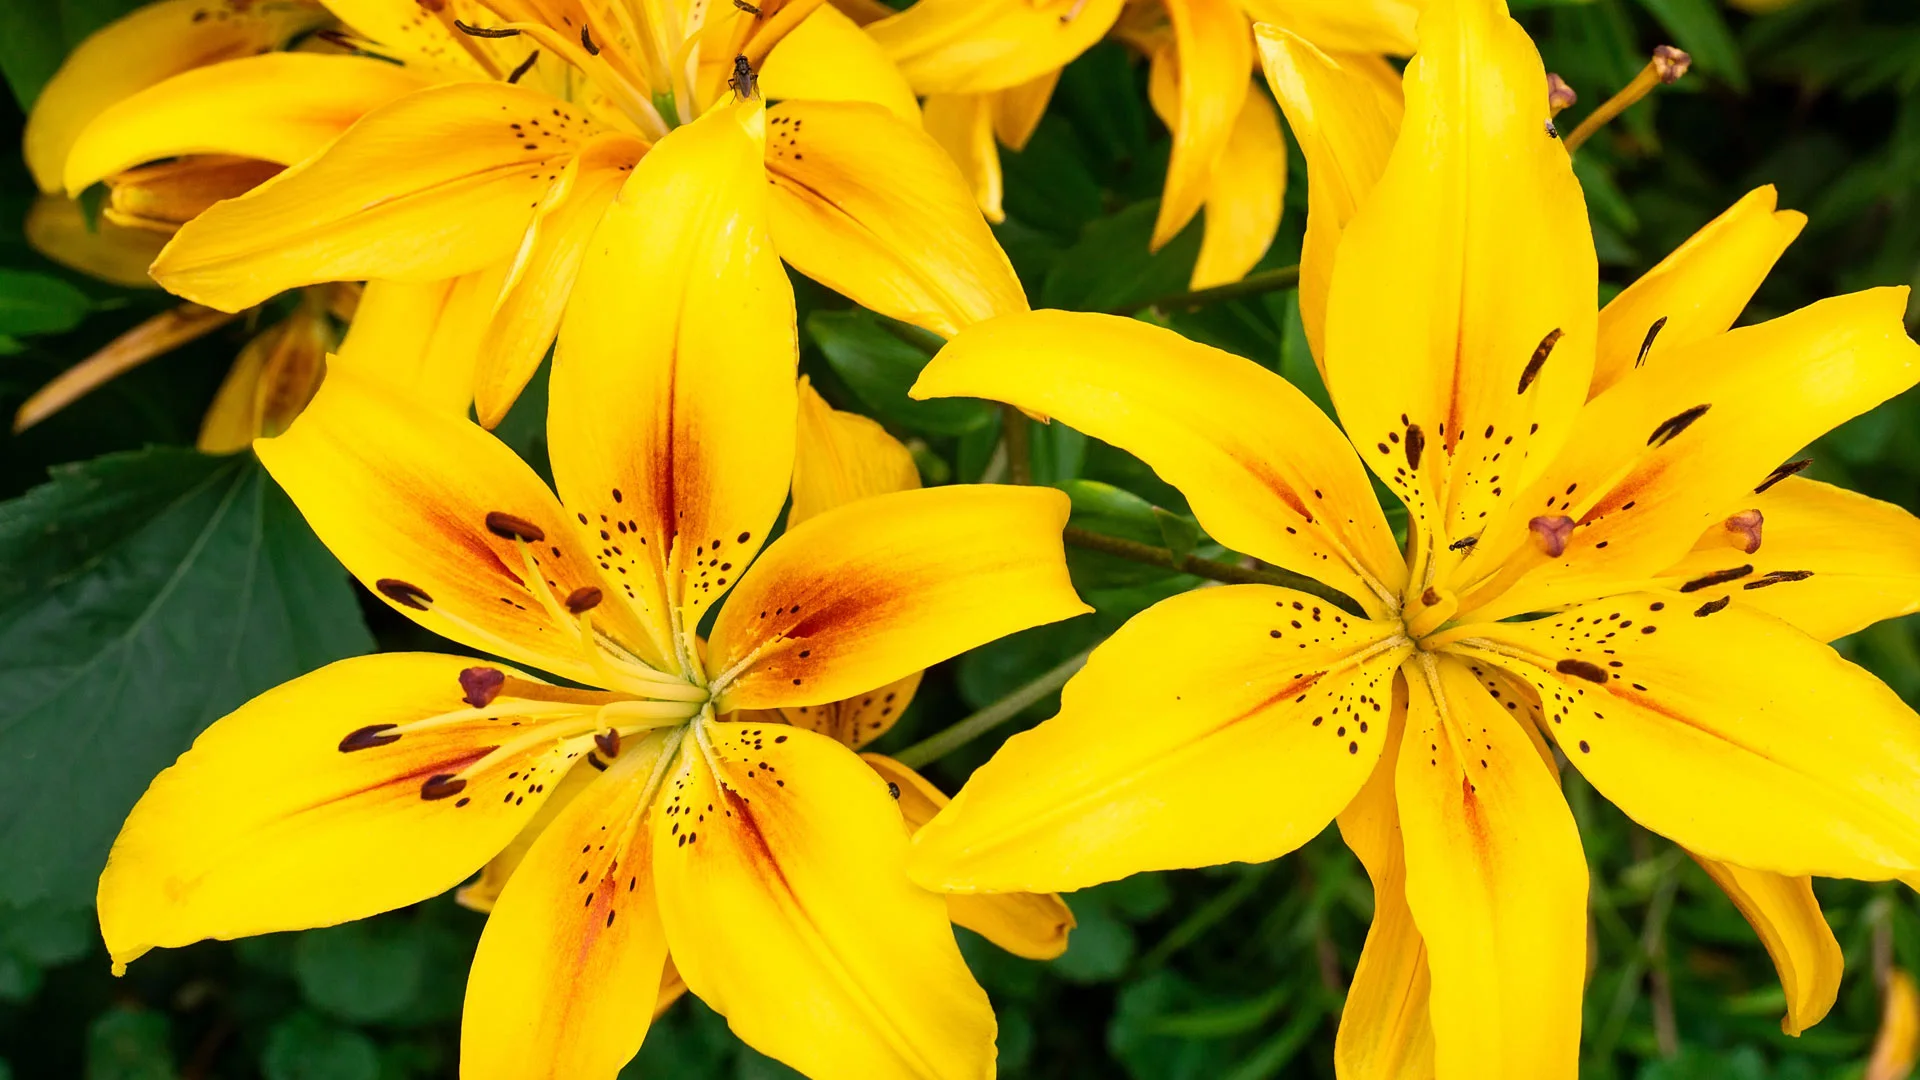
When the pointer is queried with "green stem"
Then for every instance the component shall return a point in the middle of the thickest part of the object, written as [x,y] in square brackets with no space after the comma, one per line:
[1213,569]
[944,742]
[1013,428]
[1286,277]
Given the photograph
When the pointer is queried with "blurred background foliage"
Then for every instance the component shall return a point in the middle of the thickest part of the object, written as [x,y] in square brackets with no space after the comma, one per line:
[145,589]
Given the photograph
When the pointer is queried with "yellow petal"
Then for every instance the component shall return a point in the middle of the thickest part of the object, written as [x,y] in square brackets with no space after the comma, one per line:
[1703,725]
[58,229]
[1496,882]
[483,892]
[1345,130]
[1696,292]
[1861,557]
[145,47]
[973,46]
[875,590]
[570,964]
[829,58]
[963,125]
[268,824]
[279,107]
[843,457]
[401,495]
[1205,713]
[874,209]
[1033,925]
[1358,26]
[1263,468]
[165,195]
[1784,912]
[1675,447]
[519,328]
[423,339]
[1017,109]
[1460,322]
[1244,196]
[1897,1046]
[1385,1030]
[421,36]
[779,855]
[672,436]
[852,721]
[434,185]
[273,378]
[1214,55]
[152,337]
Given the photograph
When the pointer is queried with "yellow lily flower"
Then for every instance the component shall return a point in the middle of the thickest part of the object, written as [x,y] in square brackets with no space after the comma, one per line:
[765,859]
[482,163]
[989,67]
[1679,582]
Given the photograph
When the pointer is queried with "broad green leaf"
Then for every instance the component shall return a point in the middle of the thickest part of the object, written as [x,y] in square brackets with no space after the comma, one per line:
[146,594]
[130,1043]
[38,304]
[305,1047]
[1111,269]
[880,362]
[361,971]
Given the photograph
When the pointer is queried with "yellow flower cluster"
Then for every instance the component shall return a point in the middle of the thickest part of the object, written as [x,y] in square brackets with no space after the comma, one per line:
[1606,563]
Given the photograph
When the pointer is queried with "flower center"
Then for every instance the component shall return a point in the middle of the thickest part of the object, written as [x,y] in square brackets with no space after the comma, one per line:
[1429,612]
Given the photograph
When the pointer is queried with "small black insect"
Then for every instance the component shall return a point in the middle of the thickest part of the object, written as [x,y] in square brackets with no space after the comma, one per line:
[744,82]
[1552,132]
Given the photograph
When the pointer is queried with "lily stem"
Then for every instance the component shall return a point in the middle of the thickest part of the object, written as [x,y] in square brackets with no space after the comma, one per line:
[944,742]
[1266,281]
[1212,569]
[1013,428]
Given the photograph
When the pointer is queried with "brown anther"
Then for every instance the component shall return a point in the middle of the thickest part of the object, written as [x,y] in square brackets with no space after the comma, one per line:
[481,685]
[1718,577]
[1670,63]
[583,599]
[1745,526]
[1560,96]
[481,31]
[1653,334]
[368,737]
[1430,597]
[586,42]
[508,527]
[609,742]
[1672,426]
[1782,473]
[1777,577]
[1712,606]
[403,593]
[746,7]
[1416,444]
[520,71]
[1538,360]
[1551,533]
[1582,669]
[442,786]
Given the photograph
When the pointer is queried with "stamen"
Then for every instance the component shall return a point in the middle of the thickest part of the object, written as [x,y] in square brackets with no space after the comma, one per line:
[1782,473]
[1551,533]
[1560,96]
[403,593]
[1712,606]
[1647,345]
[368,737]
[1746,525]
[583,599]
[1416,443]
[1581,669]
[1538,360]
[1674,425]
[746,7]
[1778,577]
[1666,67]
[481,685]
[442,786]
[484,31]
[608,741]
[525,66]
[586,42]
[508,527]
[1718,577]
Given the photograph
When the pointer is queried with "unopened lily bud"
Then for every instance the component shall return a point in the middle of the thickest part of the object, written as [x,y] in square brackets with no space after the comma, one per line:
[162,197]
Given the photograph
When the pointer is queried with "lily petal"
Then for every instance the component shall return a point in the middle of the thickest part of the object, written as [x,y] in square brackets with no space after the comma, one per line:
[1346,130]
[483,892]
[1214,54]
[432,186]
[403,496]
[143,48]
[843,457]
[277,820]
[1695,721]
[1697,291]
[58,229]
[561,987]
[1206,712]
[853,721]
[1860,558]
[829,58]
[1356,26]
[975,46]
[1784,912]
[779,855]
[1033,925]
[278,107]
[1496,882]
[154,336]
[1017,109]
[673,435]
[1244,196]
[423,338]
[1659,458]
[963,125]
[1477,239]
[874,209]
[271,380]
[409,33]
[1263,468]
[873,591]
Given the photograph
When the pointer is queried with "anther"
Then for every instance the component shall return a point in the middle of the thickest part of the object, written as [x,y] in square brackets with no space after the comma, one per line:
[1777,577]
[403,593]
[1712,606]
[508,527]
[1582,669]
[484,31]
[442,786]
[525,66]
[583,599]
[1718,577]
[1646,346]
[1746,526]
[1551,533]
[586,42]
[1782,473]
[1416,443]
[1560,96]
[609,742]
[368,737]
[1539,359]
[481,685]
[1674,425]
[1670,63]
[746,7]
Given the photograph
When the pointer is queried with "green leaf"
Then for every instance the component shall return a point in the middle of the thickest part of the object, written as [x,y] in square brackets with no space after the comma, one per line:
[879,365]
[305,1047]
[36,35]
[1697,27]
[146,595]
[128,1043]
[360,971]
[1111,268]
[39,304]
